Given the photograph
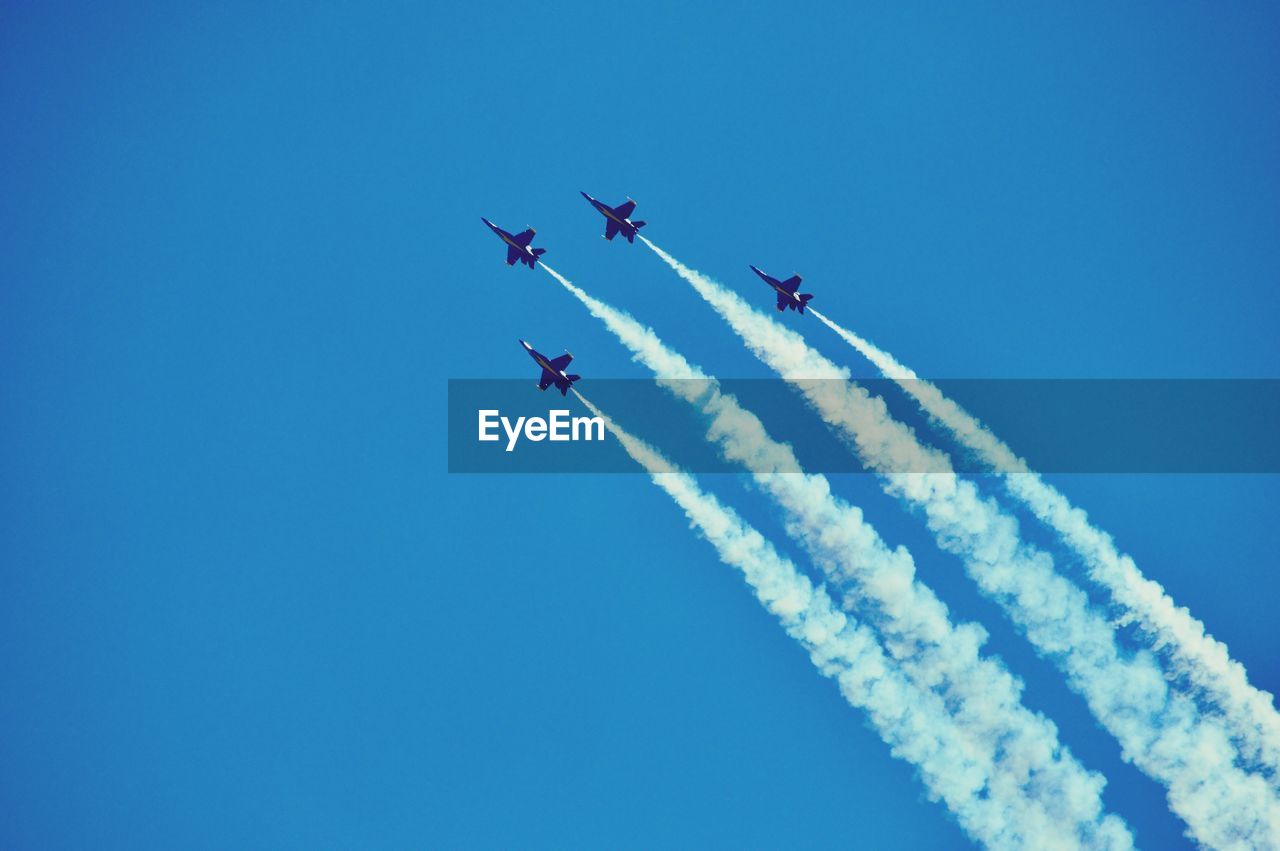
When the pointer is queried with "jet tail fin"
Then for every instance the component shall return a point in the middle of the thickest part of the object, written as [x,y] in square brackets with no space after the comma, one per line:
[804,299]
[630,233]
[538,251]
[563,386]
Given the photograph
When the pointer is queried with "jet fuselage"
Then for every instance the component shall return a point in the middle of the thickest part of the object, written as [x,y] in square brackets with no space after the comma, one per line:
[788,292]
[552,369]
[618,219]
[782,292]
[542,361]
[516,248]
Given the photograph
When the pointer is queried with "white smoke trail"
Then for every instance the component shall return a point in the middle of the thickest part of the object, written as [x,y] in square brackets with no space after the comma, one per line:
[1251,714]
[916,726]
[1162,733]
[1020,748]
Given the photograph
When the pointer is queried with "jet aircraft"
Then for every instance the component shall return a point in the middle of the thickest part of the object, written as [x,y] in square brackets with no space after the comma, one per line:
[552,370]
[786,290]
[518,245]
[616,220]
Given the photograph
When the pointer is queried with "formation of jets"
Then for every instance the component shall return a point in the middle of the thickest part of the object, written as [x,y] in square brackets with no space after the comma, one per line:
[617,221]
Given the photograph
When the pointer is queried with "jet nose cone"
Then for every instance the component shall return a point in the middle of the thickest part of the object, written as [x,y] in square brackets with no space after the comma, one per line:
[526,345]
[584,195]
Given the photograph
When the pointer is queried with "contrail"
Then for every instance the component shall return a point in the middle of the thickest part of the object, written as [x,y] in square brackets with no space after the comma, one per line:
[1251,714]
[915,725]
[1022,748]
[1162,733]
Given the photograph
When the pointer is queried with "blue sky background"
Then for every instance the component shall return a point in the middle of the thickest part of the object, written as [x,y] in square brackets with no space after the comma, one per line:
[243,604]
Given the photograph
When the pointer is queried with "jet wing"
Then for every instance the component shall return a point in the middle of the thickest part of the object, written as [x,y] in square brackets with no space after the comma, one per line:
[610,229]
[561,362]
[525,238]
[783,302]
[791,284]
[625,209]
[545,381]
[513,254]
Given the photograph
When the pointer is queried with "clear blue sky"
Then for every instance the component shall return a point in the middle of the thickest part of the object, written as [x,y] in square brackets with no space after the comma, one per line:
[242,603]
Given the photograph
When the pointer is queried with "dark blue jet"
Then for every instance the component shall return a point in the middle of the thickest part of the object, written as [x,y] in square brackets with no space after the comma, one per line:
[552,370]
[787,295]
[616,220]
[518,245]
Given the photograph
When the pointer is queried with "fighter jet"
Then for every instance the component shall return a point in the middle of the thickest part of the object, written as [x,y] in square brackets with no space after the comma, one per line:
[552,370]
[616,218]
[518,245]
[787,295]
